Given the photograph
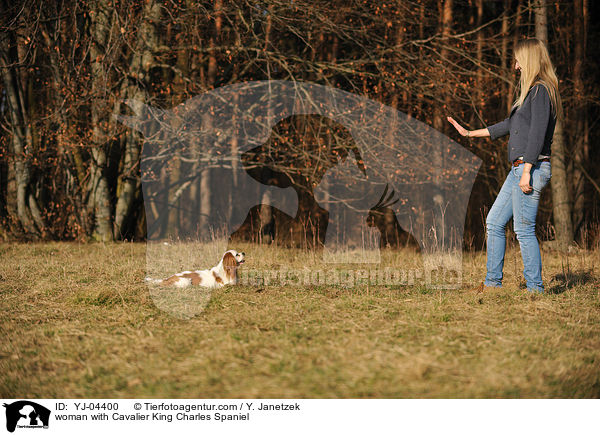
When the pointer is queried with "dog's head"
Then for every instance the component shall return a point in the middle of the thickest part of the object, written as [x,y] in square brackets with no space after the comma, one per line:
[231,261]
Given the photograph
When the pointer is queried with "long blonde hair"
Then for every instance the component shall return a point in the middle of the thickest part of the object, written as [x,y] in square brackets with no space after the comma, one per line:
[536,68]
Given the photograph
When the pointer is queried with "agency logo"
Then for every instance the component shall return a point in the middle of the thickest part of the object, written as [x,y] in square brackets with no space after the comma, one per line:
[302,164]
[25,414]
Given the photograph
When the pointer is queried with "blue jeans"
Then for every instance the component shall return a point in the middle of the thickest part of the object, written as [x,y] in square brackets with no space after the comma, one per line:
[522,207]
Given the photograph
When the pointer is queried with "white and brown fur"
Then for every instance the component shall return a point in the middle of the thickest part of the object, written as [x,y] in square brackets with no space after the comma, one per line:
[222,274]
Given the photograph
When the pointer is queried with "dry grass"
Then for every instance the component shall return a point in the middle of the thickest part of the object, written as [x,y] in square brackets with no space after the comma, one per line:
[78,321]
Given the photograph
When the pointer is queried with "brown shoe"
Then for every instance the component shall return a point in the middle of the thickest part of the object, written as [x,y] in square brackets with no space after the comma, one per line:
[478,288]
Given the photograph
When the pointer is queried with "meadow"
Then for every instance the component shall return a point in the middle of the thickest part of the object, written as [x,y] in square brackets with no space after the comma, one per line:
[77,320]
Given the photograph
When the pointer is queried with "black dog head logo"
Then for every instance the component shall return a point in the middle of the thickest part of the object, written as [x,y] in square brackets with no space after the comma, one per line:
[26,413]
[199,185]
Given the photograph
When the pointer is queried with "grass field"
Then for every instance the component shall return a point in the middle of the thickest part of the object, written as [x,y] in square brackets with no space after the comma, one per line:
[77,320]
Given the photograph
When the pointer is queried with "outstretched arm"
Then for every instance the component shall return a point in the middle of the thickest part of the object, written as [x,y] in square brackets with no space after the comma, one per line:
[482,132]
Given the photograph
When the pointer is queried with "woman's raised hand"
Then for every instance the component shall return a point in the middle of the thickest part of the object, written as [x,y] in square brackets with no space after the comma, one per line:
[463,131]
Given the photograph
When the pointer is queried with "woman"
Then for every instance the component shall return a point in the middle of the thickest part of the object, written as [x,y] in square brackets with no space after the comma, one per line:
[531,126]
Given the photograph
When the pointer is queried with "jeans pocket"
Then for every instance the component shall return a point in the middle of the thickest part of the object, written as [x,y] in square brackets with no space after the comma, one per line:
[540,178]
[518,171]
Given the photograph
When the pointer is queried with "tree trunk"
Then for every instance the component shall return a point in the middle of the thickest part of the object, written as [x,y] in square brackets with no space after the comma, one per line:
[438,202]
[511,86]
[21,142]
[506,97]
[419,109]
[400,35]
[479,89]
[265,235]
[100,198]
[579,114]
[139,67]
[211,73]
[563,225]
[445,27]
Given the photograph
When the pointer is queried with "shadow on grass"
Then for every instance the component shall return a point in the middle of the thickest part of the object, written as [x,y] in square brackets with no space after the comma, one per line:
[565,281]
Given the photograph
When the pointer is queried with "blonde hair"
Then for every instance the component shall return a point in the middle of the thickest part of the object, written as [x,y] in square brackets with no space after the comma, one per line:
[536,68]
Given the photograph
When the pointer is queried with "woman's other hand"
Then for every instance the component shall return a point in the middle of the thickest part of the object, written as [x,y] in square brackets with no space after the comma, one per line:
[463,131]
[524,183]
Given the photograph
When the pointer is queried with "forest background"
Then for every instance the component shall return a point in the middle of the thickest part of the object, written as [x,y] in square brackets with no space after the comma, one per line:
[70,171]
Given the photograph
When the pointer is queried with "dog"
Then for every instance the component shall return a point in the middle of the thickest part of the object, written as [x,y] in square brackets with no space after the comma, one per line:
[222,274]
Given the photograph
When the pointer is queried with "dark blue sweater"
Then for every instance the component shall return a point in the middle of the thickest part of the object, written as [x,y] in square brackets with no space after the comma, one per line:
[531,127]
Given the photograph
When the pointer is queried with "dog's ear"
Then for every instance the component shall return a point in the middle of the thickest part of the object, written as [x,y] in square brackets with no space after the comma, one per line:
[230,265]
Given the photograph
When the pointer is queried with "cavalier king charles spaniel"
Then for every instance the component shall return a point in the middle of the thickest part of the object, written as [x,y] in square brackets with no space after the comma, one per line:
[222,274]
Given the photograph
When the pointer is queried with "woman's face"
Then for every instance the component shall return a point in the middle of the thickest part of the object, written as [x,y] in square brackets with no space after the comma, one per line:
[517,65]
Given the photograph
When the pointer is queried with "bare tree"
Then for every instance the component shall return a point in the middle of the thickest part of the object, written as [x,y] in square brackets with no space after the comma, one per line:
[579,115]
[560,186]
[102,20]
[12,62]
[134,88]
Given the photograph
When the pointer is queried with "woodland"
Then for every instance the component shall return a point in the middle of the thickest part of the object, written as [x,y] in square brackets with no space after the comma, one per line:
[70,171]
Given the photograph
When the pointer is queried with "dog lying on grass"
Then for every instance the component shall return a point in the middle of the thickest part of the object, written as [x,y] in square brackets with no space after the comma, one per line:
[222,274]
